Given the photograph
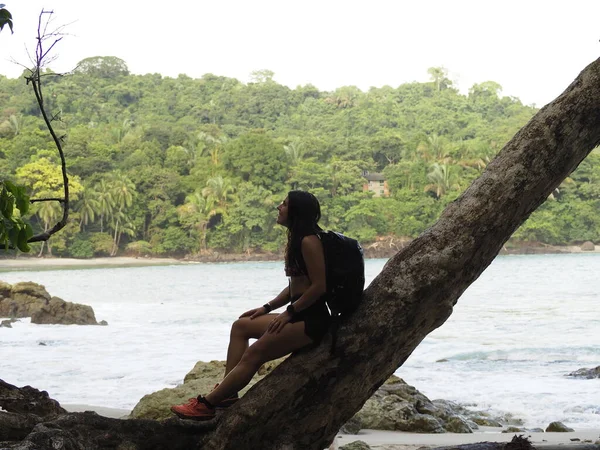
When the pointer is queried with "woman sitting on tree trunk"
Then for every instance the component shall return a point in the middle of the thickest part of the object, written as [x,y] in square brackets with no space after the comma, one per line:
[304,322]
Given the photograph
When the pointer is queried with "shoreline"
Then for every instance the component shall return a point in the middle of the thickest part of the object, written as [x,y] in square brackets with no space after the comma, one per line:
[31,262]
[402,440]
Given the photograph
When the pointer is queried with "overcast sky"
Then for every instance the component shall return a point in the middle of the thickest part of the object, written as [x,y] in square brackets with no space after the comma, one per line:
[533,48]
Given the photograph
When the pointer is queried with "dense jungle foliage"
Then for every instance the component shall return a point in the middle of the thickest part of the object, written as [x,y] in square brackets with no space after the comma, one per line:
[162,166]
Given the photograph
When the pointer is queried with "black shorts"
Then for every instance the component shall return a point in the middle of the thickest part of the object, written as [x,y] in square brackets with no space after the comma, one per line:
[316,319]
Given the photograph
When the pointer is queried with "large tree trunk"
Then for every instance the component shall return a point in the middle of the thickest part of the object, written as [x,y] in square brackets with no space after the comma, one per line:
[304,402]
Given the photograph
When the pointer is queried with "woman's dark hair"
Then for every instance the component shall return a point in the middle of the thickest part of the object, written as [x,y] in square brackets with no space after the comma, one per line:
[304,213]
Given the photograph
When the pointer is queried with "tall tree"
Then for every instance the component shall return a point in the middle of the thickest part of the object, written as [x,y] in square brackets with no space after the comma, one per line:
[195,214]
[439,76]
[48,213]
[87,206]
[123,193]
[219,191]
[442,180]
[106,201]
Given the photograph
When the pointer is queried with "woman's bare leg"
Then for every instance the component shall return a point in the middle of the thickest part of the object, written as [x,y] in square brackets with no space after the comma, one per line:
[268,347]
[241,331]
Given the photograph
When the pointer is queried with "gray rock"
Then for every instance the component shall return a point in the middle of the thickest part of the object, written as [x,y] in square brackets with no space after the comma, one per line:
[6,324]
[23,299]
[28,299]
[587,246]
[356,445]
[486,421]
[457,424]
[423,423]
[57,311]
[586,373]
[353,426]
[5,290]
[103,323]
[510,419]
[28,400]
[514,430]
[447,409]
[558,427]
[472,424]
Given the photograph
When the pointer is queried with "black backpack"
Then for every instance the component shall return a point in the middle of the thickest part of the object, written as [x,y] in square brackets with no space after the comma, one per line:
[344,272]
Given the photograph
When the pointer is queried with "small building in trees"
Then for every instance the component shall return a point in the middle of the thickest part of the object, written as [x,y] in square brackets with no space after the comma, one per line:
[376,183]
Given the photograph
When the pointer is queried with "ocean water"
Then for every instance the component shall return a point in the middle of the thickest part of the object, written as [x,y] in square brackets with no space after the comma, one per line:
[513,336]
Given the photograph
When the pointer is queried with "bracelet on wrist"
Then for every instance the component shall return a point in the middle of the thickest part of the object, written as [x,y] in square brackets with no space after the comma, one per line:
[268,307]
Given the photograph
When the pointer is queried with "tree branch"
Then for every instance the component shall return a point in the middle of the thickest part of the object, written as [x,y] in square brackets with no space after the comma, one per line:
[52,199]
[35,79]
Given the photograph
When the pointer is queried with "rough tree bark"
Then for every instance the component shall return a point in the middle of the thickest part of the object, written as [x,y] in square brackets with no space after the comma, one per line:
[304,402]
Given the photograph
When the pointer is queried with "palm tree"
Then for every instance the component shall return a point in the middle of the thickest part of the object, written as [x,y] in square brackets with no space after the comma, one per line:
[15,123]
[195,213]
[48,213]
[121,223]
[294,151]
[122,130]
[123,193]
[442,179]
[219,190]
[87,206]
[123,190]
[214,145]
[106,201]
[434,149]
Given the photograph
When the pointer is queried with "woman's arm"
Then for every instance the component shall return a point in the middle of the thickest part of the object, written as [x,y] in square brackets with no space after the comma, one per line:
[281,299]
[314,258]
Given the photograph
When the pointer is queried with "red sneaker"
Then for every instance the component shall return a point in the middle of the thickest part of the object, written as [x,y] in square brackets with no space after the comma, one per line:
[196,409]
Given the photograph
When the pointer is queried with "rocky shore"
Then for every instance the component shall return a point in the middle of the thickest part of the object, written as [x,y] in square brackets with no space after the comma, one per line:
[28,299]
[395,406]
[396,417]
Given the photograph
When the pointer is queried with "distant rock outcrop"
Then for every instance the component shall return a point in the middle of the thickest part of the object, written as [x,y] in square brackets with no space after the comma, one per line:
[586,373]
[28,299]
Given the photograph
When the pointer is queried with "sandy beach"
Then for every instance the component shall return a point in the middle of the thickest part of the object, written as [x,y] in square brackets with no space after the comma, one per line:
[397,440]
[29,263]
[114,413]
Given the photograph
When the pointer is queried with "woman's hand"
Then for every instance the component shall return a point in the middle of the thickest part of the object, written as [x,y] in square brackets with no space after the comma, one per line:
[254,313]
[279,322]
